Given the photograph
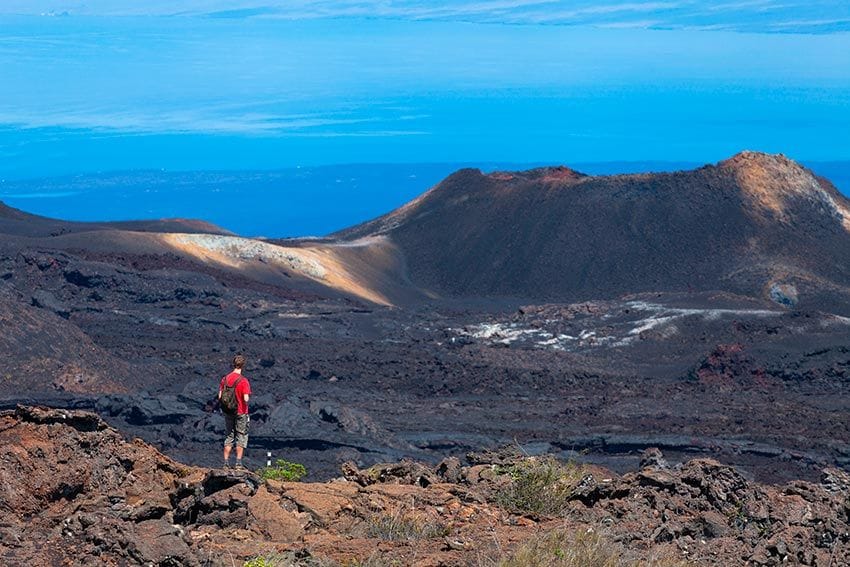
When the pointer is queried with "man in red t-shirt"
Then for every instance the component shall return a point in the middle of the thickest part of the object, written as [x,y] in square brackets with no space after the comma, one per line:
[236,425]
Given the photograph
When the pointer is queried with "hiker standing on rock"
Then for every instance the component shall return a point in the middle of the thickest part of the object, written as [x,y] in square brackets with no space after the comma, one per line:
[233,394]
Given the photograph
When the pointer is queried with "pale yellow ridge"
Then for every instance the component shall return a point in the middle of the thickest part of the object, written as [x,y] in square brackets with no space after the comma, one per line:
[323,263]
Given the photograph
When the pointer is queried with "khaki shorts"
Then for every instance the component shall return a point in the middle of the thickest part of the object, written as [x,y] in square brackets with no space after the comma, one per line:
[236,427]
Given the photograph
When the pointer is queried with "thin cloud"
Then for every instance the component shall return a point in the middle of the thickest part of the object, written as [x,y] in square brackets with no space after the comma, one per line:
[192,122]
[823,16]
[807,23]
[361,134]
[626,7]
[600,14]
[727,6]
[640,24]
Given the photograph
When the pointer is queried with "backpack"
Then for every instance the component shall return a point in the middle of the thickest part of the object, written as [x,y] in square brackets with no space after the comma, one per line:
[229,404]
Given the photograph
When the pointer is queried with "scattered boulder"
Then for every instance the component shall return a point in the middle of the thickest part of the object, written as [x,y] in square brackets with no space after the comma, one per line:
[403,472]
[504,456]
[784,294]
[46,300]
[652,457]
[146,410]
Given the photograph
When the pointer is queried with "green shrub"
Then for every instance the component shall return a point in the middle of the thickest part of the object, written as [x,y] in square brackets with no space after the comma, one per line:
[258,562]
[288,559]
[283,470]
[539,486]
[268,561]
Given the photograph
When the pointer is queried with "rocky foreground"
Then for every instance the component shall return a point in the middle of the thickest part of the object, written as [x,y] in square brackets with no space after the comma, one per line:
[74,492]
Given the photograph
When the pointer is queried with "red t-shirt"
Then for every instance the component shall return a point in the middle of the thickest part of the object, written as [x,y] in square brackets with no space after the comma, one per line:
[244,387]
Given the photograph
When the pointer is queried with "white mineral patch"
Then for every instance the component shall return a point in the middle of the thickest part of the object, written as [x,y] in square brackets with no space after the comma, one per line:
[663,320]
[649,324]
[499,332]
[835,320]
[662,315]
[246,249]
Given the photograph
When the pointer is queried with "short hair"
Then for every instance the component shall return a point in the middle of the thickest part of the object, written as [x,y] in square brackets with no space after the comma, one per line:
[238,361]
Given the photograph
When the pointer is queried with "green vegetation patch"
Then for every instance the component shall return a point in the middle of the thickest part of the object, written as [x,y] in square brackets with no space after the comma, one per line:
[284,471]
[281,560]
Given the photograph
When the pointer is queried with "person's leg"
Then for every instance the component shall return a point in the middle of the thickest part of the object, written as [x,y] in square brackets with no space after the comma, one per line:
[230,438]
[241,437]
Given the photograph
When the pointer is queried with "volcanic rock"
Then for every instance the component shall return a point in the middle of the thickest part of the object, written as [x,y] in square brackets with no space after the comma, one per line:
[75,492]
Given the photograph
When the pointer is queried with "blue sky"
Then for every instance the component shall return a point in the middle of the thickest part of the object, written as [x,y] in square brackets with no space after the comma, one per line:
[102,85]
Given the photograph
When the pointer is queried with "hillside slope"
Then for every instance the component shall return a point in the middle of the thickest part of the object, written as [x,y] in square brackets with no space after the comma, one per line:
[15,222]
[755,224]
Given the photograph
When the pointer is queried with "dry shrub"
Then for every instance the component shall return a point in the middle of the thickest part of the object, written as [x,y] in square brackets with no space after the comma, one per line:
[560,548]
[290,559]
[402,525]
[539,485]
[374,560]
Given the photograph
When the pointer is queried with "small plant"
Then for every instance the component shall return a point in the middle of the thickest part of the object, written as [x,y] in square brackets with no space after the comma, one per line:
[559,548]
[288,559]
[583,549]
[283,470]
[305,559]
[263,561]
[539,486]
[398,527]
[267,561]
[372,561]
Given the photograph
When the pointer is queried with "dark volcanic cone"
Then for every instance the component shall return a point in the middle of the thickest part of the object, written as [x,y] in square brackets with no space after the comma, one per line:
[755,224]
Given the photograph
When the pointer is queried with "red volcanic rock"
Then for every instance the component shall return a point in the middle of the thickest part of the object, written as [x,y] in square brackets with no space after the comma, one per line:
[728,367]
[74,492]
[559,173]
